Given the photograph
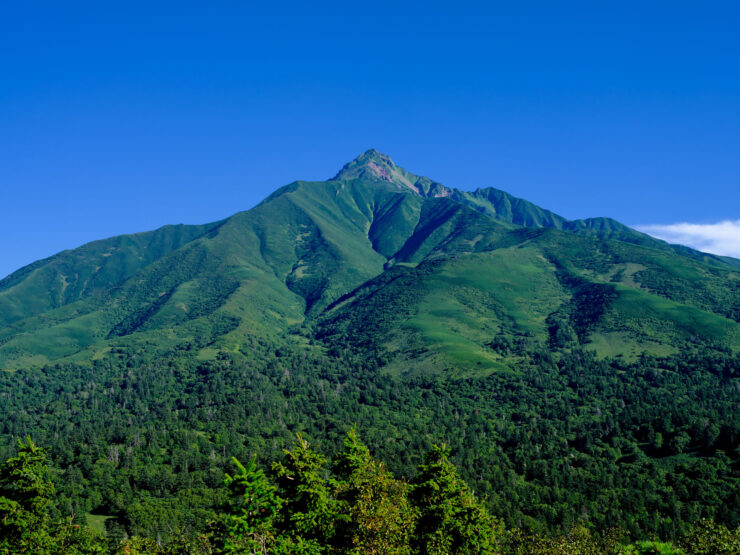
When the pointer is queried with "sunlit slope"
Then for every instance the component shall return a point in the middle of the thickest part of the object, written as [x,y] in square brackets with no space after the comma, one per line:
[550,291]
[424,277]
[258,272]
[508,208]
[90,270]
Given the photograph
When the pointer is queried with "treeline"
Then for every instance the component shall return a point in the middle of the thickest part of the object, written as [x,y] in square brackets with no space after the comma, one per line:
[139,443]
[353,505]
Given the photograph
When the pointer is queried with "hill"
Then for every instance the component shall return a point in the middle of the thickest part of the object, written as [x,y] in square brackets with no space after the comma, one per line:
[486,265]
[580,371]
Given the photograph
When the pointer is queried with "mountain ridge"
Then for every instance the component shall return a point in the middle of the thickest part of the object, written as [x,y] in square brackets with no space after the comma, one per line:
[581,374]
[289,259]
[376,166]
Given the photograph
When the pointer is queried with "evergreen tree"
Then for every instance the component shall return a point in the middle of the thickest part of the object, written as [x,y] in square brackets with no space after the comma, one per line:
[451,520]
[25,494]
[377,516]
[309,511]
[254,503]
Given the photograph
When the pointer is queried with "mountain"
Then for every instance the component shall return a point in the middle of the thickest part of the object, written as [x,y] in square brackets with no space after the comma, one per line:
[377,257]
[583,375]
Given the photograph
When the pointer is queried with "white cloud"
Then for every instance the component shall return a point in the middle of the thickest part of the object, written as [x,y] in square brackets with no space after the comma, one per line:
[720,238]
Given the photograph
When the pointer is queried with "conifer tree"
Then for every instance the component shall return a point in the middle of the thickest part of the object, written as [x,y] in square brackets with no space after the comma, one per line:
[309,512]
[253,508]
[25,494]
[450,520]
[377,516]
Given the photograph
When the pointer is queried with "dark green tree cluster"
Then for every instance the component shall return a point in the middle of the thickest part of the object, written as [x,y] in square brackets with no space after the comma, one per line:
[139,445]
[26,496]
[355,507]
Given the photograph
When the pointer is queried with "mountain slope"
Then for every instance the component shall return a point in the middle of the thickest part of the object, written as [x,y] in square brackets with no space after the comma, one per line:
[503,206]
[262,271]
[389,261]
[92,269]
[480,312]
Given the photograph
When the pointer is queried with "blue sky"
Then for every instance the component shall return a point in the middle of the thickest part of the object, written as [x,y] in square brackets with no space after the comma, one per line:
[118,117]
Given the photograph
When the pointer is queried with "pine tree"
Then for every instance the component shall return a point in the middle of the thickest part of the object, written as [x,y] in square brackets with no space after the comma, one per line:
[450,518]
[253,507]
[377,516]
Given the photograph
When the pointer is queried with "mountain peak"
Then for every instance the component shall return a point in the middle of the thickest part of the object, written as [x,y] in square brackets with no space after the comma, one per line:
[374,165]
[370,163]
[374,154]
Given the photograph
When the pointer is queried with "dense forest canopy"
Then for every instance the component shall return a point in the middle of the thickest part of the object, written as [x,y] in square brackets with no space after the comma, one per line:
[142,448]
[360,507]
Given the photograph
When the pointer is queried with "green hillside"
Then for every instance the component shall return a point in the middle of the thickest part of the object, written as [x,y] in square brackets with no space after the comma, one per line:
[475,312]
[93,269]
[585,376]
[310,243]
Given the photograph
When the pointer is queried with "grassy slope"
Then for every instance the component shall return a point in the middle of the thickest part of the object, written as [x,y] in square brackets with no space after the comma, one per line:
[90,270]
[445,315]
[459,272]
[260,271]
[473,298]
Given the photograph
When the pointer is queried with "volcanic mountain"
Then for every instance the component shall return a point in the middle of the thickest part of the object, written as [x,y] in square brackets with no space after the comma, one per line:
[427,278]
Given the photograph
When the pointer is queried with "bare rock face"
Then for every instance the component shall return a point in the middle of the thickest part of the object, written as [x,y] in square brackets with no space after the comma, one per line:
[372,164]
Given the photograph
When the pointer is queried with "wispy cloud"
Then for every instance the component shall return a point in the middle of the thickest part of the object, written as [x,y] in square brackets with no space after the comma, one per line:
[720,238]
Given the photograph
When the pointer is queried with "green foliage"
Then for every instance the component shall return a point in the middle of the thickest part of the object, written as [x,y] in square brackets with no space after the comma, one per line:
[706,537]
[139,546]
[451,520]
[376,515]
[201,544]
[652,547]
[577,541]
[309,508]
[26,494]
[145,445]
[373,512]
[254,503]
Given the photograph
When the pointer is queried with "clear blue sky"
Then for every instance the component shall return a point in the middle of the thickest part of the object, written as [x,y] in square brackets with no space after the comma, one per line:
[118,117]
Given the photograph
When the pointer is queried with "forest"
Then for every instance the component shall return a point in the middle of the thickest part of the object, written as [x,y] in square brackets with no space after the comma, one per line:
[358,506]
[142,452]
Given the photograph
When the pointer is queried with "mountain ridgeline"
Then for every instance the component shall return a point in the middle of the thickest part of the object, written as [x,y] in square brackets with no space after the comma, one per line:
[583,375]
[440,272]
